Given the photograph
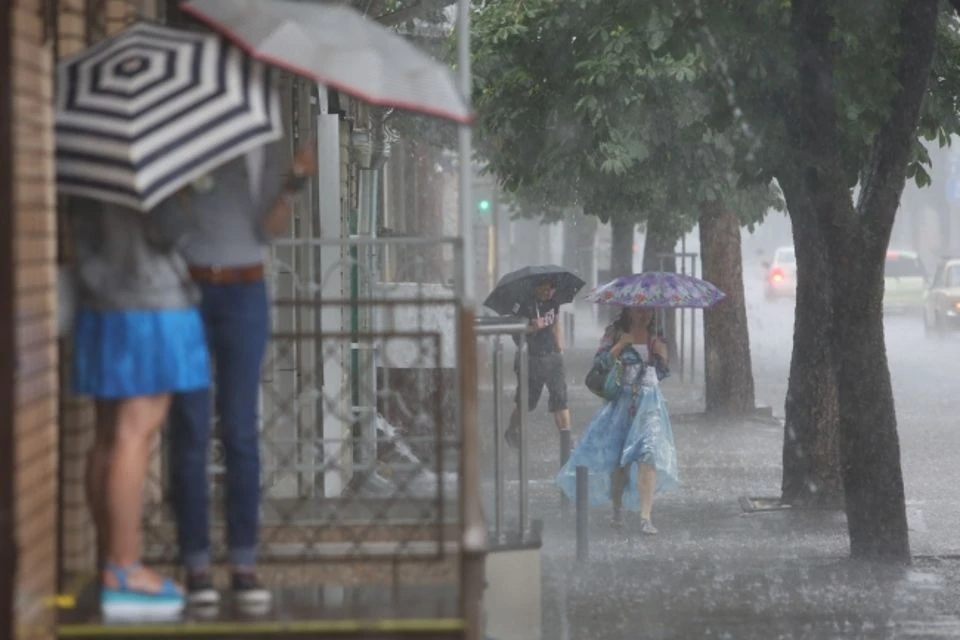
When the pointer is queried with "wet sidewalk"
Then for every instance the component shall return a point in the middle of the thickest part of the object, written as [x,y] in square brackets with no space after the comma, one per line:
[716,571]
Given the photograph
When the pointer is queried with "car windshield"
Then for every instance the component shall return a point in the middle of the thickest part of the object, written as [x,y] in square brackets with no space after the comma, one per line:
[953,275]
[903,267]
[785,256]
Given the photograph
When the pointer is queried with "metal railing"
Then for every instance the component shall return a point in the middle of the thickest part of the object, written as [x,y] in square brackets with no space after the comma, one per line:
[359,423]
[494,330]
[685,263]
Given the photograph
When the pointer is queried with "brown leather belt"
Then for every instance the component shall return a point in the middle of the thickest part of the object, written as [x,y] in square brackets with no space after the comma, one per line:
[228,275]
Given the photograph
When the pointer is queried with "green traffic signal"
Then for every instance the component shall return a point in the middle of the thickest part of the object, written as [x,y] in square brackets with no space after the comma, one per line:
[484,205]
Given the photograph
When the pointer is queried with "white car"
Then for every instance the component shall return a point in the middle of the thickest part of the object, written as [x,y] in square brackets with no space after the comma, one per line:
[781,274]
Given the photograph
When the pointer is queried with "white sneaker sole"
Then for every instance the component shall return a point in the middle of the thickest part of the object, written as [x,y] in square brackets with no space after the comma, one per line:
[206,598]
[253,598]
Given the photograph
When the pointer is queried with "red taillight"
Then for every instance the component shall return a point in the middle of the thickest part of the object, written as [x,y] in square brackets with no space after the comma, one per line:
[892,255]
[776,274]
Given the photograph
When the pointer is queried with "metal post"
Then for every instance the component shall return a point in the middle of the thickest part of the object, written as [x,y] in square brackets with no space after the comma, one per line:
[683,312]
[583,502]
[465,155]
[566,444]
[498,475]
[693,328]
[524,393]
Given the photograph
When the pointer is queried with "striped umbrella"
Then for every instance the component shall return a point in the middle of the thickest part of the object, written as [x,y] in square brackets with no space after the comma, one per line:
[143,114]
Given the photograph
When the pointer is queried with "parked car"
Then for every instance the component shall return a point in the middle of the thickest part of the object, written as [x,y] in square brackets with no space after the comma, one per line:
[905,282]
[941,309]
[782,274]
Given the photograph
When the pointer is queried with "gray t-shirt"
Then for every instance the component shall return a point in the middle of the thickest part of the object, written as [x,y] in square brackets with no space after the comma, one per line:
[222,225]
[124,260]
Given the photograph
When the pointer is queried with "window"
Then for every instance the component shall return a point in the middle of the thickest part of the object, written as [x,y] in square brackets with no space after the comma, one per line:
[953,275]
[904,267]
[785,256]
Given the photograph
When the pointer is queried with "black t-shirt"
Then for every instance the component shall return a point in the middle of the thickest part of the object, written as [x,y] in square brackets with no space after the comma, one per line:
[542,341]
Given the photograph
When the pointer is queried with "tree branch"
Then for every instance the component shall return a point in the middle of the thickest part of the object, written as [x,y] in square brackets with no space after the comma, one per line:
[417,9]
[894,142]
[956,6]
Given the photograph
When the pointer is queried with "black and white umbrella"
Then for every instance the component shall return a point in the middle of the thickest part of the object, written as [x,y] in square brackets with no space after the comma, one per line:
[143,114]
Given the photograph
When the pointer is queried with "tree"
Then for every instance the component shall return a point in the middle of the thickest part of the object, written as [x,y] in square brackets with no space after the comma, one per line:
[840,107]
[728,374]
[590,104]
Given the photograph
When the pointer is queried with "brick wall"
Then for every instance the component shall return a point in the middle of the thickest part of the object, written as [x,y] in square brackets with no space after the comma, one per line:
[80,22]
[36,383]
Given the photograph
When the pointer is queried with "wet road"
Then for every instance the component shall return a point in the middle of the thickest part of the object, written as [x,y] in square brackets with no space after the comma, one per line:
[925,373]
[715,572]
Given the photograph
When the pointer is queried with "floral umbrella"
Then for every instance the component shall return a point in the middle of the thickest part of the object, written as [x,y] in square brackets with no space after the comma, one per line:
[657,290]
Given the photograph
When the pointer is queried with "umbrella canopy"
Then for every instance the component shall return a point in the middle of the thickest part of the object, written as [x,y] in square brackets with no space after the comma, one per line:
[143,114]
[337,46]
[657,290]
[517,287]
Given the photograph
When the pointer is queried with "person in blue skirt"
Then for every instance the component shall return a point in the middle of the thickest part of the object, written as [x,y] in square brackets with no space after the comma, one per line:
[138,338]
[628,447]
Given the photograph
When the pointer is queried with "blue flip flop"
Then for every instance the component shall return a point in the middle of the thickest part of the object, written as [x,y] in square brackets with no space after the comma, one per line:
[125,602]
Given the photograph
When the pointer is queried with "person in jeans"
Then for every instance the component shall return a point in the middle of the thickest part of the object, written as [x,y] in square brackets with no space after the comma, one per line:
[545,350]
[228,219]
[137,338]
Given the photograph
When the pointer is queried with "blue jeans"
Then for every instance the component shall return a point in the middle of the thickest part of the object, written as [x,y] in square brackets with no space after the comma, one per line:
[237,322]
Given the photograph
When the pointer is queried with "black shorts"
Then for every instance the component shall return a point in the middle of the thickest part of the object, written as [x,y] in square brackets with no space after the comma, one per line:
[544,371]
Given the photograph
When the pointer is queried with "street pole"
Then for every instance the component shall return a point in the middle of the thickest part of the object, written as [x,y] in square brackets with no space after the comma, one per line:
[473,540]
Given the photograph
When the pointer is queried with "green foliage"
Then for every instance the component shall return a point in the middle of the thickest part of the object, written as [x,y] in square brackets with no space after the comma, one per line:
[606,105]
[756,73]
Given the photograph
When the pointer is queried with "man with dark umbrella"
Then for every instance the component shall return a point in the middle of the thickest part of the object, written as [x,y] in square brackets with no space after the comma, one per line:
[545,348]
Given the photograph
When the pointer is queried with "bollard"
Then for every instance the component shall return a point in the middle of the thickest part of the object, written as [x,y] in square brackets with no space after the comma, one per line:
[583,504]
[569,330]
[566,445]
[522,453]
[498,470]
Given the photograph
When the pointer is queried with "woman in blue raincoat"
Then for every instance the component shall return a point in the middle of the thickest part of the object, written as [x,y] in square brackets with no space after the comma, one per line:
[628,446]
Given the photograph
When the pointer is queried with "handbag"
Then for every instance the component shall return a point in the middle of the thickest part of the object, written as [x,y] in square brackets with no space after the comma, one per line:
[596,377]
[603,379]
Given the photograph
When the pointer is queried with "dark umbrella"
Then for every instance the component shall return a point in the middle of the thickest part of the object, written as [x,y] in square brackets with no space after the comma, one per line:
[517,287]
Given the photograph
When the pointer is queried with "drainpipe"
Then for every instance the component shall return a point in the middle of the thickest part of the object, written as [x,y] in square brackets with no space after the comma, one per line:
[370,152]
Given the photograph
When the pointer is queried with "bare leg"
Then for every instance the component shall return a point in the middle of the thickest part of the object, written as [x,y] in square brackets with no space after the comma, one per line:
[137,422]
[98,459]
[562,419]
[647,484]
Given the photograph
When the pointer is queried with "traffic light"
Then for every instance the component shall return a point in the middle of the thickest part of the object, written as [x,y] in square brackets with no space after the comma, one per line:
[483,206]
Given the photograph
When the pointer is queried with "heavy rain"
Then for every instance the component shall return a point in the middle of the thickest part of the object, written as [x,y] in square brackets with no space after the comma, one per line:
[480,319]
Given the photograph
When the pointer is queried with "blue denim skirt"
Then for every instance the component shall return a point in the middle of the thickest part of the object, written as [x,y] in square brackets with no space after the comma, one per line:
[124,354]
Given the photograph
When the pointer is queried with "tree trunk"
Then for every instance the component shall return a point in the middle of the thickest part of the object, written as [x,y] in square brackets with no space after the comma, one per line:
[856,239]
[811,437]
[870,446]
[621,247]
[658,240]
[728,373]
[621,260]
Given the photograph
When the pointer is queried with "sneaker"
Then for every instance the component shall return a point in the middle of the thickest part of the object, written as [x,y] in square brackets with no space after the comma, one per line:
[647,528]
[200,589]
[248,591]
